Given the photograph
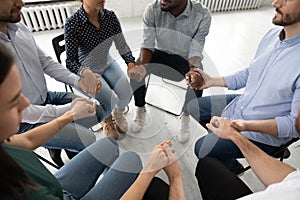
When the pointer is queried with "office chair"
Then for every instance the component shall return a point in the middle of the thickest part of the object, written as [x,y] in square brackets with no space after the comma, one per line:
[281,153]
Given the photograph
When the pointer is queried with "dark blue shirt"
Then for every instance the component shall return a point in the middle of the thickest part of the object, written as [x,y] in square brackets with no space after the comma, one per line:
[87,46]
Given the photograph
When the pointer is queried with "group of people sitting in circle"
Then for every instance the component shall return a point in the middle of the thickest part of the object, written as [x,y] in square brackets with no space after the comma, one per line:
[252,125]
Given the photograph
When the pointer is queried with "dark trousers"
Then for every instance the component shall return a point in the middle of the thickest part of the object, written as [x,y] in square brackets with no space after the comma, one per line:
[217,182]
[202,109]
[157,189]
[172,67]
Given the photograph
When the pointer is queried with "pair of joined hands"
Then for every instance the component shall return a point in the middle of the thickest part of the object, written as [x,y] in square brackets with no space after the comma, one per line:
[163,158]
[82,108]
[90,82]
[226,129]
[136,71]
[197,79]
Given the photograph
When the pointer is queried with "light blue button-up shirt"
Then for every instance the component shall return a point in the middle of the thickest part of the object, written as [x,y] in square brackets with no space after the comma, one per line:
[183,35]
[32,63]
[272,88]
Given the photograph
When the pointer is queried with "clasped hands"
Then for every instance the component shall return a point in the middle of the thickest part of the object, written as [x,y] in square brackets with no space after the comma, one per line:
[197,79]
[81,108]
[162,157]
[136,71]
[89,82]
[226,129]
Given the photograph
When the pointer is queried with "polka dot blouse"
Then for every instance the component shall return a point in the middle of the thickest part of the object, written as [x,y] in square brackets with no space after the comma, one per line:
[87,46]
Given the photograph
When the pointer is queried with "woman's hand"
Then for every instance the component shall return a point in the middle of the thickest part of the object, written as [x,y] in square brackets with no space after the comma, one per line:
[159,158]
[136,72]
[89,82]
[82,108]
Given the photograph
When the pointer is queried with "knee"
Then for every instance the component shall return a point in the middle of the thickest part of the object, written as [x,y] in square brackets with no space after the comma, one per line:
[108,145]
[193,109]
[203,166]
[110,141]
[131,162]
[197,147]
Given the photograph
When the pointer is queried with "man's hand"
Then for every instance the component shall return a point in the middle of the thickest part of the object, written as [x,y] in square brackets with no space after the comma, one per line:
[82,108]
[239,124]
[222,128]
[136,72]
[173,169]
[198,79]
[194,79]
[89,82]
[159,158]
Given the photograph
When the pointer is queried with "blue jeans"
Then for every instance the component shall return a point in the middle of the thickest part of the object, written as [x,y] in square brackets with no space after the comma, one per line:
[79,176]
[115,92]
[202,109]
[74,136]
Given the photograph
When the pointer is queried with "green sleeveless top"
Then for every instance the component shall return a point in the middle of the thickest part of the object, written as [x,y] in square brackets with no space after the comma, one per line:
[47,186]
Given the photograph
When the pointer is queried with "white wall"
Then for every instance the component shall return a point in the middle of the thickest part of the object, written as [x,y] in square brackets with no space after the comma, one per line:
[135,8]
[128,8]
[267,2]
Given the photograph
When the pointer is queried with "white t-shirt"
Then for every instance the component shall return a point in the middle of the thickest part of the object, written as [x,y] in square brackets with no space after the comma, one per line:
[288,189]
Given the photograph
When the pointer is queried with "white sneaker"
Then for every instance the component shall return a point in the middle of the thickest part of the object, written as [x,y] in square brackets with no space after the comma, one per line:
[138,119]
[121,122]
[184,129]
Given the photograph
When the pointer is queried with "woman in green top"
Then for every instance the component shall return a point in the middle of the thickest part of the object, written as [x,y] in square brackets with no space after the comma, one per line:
[23,176]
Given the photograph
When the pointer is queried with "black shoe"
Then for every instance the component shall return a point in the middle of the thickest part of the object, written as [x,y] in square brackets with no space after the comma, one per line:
[71,154]
[55,155]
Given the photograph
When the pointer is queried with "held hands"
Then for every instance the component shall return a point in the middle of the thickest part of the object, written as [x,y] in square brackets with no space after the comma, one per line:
[222,127]
[136,72]
[82,108]
[239,124]
[197,79]
[89,82]
[161,157]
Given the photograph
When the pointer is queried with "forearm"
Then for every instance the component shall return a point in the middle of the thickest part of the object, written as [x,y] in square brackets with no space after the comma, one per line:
[216,82]
[139,187]
[40,135]
[34,114]
[262,126]
[145,56]
[176,189]
[268,169]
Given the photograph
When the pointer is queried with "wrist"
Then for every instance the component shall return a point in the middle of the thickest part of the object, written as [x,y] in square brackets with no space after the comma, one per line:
[69,115]
[175,178]
[131,64]
[236,136]
[148,173]
[83,71]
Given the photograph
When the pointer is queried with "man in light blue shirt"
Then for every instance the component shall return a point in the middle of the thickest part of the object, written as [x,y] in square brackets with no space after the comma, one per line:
[45,106]
[173,41]
[265,113]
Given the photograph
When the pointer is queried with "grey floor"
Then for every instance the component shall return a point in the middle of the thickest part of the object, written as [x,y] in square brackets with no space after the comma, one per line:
[230,46]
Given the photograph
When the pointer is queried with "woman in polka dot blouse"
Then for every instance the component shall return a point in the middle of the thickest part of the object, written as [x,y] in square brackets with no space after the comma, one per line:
[89,34]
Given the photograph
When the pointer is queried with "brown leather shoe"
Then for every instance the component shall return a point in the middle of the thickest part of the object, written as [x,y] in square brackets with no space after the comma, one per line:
[121,122]
[109,128]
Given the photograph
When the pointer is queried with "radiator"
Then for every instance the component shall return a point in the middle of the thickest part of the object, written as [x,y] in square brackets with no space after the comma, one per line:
[46,17]
[227,5]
